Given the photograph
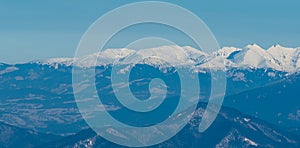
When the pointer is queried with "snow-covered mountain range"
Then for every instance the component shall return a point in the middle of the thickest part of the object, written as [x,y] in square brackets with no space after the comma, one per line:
[261,107]
[252,56]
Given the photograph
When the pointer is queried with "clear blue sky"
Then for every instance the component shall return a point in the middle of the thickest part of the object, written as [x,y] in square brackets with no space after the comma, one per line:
[32,29]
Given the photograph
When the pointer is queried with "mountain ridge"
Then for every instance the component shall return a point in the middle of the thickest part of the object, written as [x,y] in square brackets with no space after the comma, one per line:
[276,57]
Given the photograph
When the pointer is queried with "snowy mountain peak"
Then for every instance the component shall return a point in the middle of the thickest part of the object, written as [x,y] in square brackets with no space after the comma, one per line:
[253,46]
[277,45]
[279,48]
[288,57]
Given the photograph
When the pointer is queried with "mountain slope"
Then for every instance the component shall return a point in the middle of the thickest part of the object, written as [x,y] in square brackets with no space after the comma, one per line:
[40,97]
[11,136]
[277,102]
[230,129]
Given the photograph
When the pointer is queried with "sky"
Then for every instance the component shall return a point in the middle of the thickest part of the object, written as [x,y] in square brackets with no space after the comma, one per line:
[35,30]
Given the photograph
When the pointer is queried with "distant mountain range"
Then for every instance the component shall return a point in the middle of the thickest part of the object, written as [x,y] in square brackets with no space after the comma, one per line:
[252,56]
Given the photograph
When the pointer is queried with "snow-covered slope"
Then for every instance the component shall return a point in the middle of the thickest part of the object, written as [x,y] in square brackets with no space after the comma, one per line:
[252,56]
[288,57]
